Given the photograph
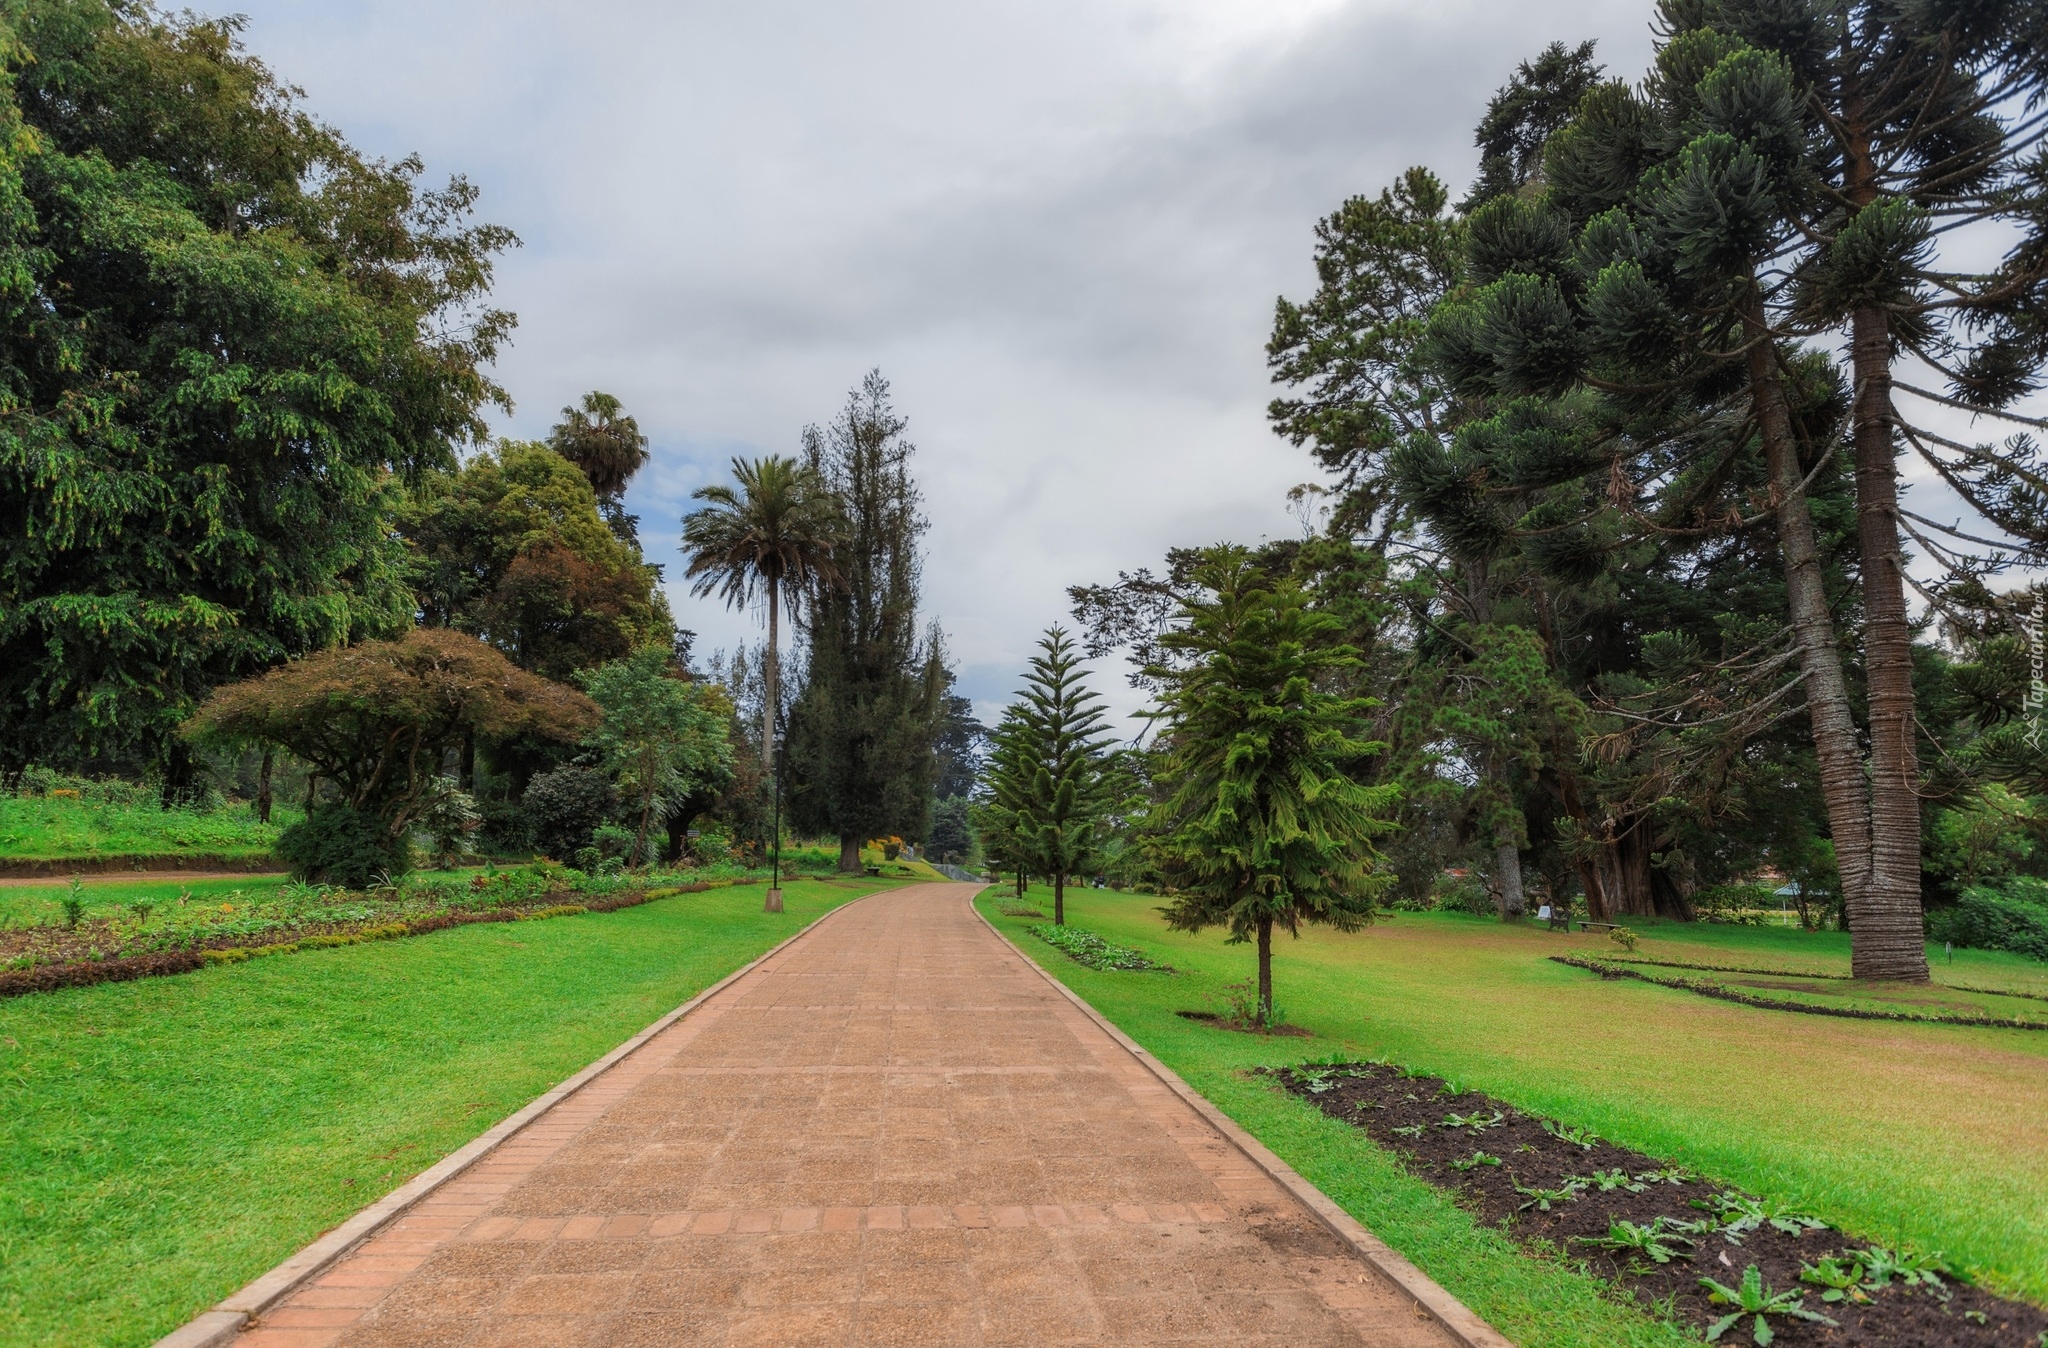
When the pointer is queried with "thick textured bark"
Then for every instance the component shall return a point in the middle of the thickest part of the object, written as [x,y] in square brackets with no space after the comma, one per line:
[1827,692]
[1886,937]
[771,678]
[1266,970]
[849,853]
[1639,889]
[1507,869]
[263,788]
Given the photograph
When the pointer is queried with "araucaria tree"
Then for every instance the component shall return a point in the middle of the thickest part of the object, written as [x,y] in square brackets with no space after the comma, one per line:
[375,722]
[771,532]
[663,737]
[229,336]
[1047,778]
[861,733]
[1265,821]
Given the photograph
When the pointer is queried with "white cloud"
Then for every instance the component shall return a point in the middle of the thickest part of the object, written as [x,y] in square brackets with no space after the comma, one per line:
[1057,226]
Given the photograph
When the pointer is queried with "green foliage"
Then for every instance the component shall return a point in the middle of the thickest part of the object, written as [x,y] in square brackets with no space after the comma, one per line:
[1750,1297]
[226,330]
[1264,822]
[340,845]
[860,736]
[1654,1241]
[1092,950]
[512,549]
[1541,1199]
[122,820]
[564,807]
[662,737]
[1047,786]
[2012,917]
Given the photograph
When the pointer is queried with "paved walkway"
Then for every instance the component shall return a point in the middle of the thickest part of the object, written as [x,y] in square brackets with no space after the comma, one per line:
[892,1132]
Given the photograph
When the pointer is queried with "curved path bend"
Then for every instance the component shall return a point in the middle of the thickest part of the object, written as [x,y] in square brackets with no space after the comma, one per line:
[892,1131]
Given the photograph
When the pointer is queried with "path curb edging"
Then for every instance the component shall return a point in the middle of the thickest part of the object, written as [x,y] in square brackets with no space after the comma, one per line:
[1458,1320]
[220,1324]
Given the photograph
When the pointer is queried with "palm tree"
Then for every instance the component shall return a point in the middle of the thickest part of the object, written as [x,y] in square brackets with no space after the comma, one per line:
[775,527]
[604,442]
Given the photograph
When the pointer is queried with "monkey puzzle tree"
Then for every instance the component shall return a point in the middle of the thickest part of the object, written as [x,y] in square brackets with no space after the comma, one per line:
[1264,822]
[1047,779]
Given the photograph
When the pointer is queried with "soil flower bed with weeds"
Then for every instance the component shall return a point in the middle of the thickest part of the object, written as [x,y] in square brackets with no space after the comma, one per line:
[1085,947]
[184,934]
[1734,1268]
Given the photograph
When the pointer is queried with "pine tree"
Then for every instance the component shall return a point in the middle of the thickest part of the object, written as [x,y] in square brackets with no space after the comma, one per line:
[1048,778]
[1264,822]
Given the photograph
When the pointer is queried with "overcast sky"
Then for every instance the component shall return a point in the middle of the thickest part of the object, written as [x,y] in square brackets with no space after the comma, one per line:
[1057,227]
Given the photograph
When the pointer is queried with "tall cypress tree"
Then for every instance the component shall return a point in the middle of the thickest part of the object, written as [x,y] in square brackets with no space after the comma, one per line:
[1047,779]
[860,737]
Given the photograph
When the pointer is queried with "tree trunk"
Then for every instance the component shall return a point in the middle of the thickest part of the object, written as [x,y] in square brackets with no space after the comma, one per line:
[770,679]
[1820,660]
[1887,937]
[640,838]
[467,772]
[1266,970]
[1507,869]
[263,788]
[1059,898]
[849,854]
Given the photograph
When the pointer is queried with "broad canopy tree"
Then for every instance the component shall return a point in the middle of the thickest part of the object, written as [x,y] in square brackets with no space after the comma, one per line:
[663,737]
[227,338]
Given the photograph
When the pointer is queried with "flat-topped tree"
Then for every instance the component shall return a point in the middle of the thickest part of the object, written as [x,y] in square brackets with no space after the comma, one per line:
[375,722]
[1263,824]
[1047,774]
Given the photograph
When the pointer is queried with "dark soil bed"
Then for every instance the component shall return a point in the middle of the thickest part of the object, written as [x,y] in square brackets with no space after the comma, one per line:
[1210,1018]
[1430,1124]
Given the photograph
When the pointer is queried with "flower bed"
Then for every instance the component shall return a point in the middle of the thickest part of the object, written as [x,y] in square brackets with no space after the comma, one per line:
[1675,1240]
[1085,947]
[190,934]
[1790,999]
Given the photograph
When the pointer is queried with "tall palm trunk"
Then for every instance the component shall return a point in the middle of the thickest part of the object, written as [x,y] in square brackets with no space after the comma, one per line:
[1820,660]
[1886,937]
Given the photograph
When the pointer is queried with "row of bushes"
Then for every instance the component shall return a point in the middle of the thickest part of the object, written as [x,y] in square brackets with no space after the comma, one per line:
[2013,916]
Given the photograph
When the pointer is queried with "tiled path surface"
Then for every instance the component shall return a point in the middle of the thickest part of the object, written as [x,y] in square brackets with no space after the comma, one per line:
[893,1132]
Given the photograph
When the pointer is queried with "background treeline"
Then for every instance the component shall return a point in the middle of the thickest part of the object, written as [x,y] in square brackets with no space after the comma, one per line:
[1612,521]
[258,541]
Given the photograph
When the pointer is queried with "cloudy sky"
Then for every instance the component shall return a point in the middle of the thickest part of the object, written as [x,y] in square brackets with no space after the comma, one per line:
[1058,227]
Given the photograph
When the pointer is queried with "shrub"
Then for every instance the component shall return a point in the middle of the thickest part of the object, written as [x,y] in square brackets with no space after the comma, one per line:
[564,808]
[1993,919]
[337,845]
[614,842]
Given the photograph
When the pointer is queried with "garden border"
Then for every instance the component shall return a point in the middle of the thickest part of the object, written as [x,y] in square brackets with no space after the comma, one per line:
[1457,1319]
[1703,988]
[219,1325]
[33,868]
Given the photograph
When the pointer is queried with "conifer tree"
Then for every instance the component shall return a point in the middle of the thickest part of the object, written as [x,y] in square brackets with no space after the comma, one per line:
[1264,822]
[1047,777]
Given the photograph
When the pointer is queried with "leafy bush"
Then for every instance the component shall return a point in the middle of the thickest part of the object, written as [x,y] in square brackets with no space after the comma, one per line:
[337,845]
[1464,894]
[1741,905]
[564,807]
[1085,947]
[1995,919]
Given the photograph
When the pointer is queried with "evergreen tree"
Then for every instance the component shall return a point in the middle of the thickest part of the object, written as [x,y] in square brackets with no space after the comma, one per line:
[1263,823]
[861,734]
[606,444]
[1048,780]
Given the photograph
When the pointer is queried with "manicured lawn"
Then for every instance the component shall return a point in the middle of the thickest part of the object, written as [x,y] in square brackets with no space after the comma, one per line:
[1937,1136]
[38,828]
[168,1139]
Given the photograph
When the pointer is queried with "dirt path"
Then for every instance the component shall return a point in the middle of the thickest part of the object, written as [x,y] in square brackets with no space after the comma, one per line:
[894,1131]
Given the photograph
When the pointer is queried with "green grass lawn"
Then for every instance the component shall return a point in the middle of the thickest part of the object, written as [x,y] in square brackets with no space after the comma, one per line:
[47,828]
[1937,1136]
[167,1140]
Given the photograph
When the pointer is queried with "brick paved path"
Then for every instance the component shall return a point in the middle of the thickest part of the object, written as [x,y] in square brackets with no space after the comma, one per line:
[892,1132]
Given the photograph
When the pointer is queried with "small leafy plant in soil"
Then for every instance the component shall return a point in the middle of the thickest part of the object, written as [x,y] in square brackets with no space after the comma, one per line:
[1085,947]
[1735,1268]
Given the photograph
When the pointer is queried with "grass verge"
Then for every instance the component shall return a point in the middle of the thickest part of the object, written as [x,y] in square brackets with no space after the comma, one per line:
[43,828]
[169,1139]
[1931,1136]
